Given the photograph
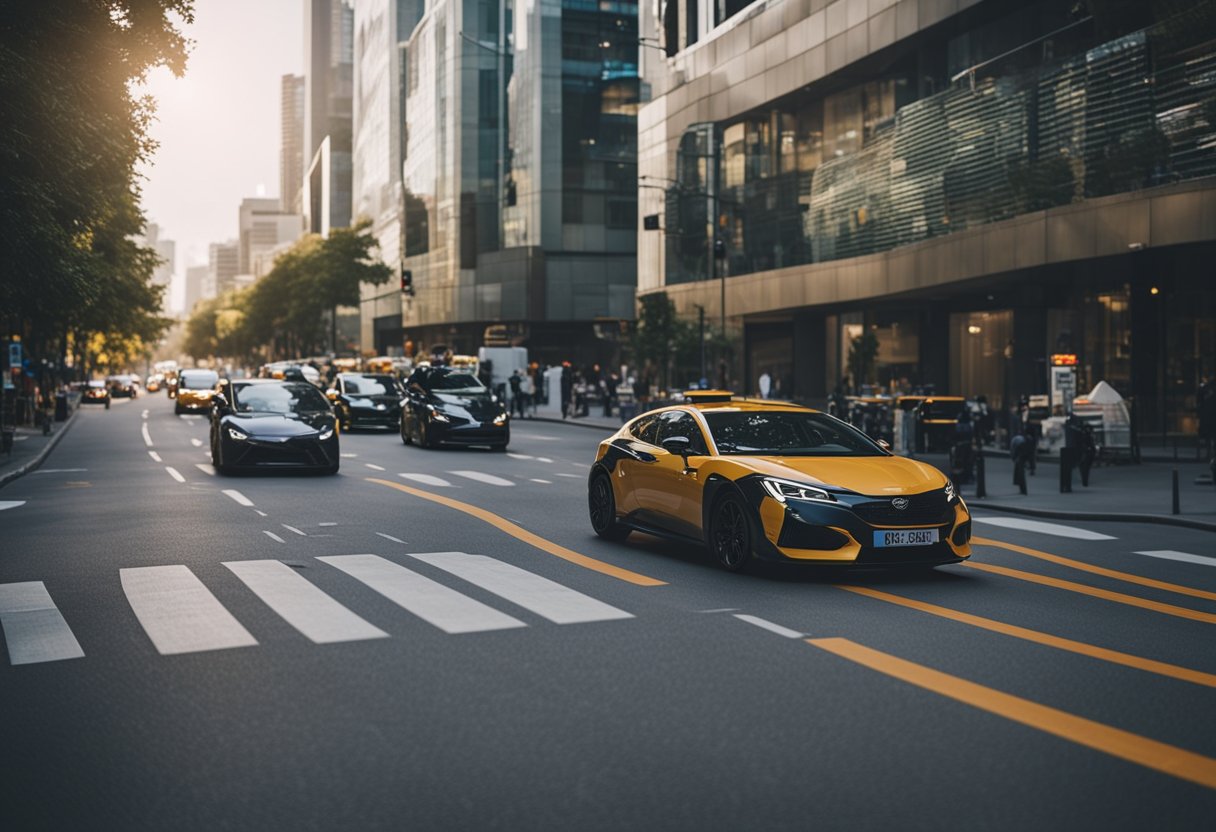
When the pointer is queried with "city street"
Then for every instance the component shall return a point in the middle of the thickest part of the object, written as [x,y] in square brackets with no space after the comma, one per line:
[435,639]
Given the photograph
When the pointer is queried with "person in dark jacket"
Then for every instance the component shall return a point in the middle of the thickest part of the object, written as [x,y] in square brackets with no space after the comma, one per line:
[1070,454]
[1088,451]
[962,456]
[567,389]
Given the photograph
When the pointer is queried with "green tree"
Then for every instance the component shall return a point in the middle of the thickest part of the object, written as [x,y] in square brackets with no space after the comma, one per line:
[72,133]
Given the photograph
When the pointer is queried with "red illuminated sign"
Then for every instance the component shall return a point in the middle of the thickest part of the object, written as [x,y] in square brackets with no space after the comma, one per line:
[1063,359]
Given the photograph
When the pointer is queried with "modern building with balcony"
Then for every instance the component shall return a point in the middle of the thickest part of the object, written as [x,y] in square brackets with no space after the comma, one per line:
[519,176]
[976,184]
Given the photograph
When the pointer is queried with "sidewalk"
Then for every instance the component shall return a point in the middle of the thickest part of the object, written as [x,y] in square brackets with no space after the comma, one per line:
[1127,493]
[30,448]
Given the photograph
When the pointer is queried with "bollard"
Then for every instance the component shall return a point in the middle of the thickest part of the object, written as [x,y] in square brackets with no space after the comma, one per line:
[1177,507]
[980,491]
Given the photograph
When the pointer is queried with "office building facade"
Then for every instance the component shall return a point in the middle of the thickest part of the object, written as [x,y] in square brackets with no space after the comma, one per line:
[518,176]
[329,51]
[264,226]
[223,265]
[291,152]
[969,186]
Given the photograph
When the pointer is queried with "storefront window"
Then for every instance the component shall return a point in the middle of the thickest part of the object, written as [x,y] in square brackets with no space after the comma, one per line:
[980,354]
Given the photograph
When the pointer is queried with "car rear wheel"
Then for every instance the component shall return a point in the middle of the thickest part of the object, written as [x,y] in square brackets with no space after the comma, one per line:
[730,533]
[601,506]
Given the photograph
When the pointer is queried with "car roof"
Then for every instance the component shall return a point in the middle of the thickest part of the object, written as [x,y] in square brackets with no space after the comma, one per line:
[737,403]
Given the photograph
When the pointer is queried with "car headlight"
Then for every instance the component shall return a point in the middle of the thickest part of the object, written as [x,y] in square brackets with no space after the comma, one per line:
[951,492]
[438,415]
[325,434]
[501,419]
[237,434]
[783,490]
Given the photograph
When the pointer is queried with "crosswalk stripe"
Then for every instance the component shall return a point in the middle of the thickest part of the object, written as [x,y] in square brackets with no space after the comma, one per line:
[1184,557]
[542,596]
[427,479]
[178,613]
[34,629]
[432,602]
[7,504]
[477,476]
[1043,528]
[301,604]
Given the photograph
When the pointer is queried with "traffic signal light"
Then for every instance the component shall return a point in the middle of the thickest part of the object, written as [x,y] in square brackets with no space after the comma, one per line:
[407,281]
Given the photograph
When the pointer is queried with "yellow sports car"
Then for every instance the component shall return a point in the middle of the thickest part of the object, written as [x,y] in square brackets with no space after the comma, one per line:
[755,478]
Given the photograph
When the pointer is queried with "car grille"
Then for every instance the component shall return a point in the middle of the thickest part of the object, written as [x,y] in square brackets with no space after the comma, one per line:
[927,509]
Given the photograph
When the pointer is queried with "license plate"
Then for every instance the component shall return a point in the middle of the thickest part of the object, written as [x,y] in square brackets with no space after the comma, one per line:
[905,537]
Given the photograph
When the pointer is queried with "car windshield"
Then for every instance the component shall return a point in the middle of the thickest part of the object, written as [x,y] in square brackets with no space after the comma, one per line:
[786,433]
[371,386]
[97,385]
[198,381]
[936,409]
[290,397]
[455,383]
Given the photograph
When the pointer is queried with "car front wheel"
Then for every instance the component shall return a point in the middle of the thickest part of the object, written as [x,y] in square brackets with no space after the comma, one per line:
[601,506]
[730,534]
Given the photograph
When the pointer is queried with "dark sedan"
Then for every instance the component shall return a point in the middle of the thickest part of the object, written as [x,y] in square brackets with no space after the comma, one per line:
[446,406]
[96,392]
[271,424]
[366,400]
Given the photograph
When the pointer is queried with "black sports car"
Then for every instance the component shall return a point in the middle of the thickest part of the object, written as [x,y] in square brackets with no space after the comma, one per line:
[268,423]
[446,406]
[366,400]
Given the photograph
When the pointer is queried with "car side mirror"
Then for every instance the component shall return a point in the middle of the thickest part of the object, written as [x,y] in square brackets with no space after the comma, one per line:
[677,445]
[884,444]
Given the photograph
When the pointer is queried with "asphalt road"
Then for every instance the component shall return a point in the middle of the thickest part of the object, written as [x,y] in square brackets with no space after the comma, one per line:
[186,651]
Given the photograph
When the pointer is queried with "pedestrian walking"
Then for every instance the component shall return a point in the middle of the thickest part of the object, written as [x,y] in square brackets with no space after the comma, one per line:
[1070,453]
[962,450]
[517,403]
[1021,447]
[1089,451]
[567,384]
[527,396]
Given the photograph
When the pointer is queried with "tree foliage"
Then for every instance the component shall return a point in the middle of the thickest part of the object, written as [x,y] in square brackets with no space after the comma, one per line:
[284,314]
[72,133]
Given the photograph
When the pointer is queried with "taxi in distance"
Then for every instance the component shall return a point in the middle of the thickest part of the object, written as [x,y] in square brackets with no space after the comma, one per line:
[194,389]
[752,478]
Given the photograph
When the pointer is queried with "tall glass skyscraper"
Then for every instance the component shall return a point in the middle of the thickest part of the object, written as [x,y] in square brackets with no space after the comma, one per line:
[519,162]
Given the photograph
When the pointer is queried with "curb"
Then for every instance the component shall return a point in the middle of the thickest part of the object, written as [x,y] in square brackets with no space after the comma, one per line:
[34,463]
[1161,519]
[574,422]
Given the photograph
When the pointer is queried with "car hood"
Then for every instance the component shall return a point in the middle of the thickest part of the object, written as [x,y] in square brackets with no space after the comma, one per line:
[276,425]
[477,408]
[871,475]
[388,401]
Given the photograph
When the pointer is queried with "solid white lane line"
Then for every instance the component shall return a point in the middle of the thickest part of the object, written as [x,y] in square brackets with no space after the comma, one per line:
[238,496]
[147,436]
[390,537]
[432,602]
[1184,557]
[489,479]
[1042,528]
[7,504]
[205,468]
[542,596]
[155,456]
[34,629]
[173,472]
[770,626]
[61,470]
[542,482]
[273,536]
[374,467]
[427,479]
[178,613]
[294,530]
[520,456]
[318,617]
[198,443]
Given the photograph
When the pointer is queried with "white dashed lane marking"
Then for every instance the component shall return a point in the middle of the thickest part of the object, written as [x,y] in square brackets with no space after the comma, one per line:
[7,504]
[1184,557]
[542,482]
[155,456]
[374,467]
[520,456]
[478,476]
[273,536]
[427,479]
[294,530]
[173,472]
[238,496]
[205,468]
[147,436]
[198,443]
[390,537]
[770,626]
[1043,528]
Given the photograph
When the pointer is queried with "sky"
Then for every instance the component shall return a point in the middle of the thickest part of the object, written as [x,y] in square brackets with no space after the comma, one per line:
[218,125]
